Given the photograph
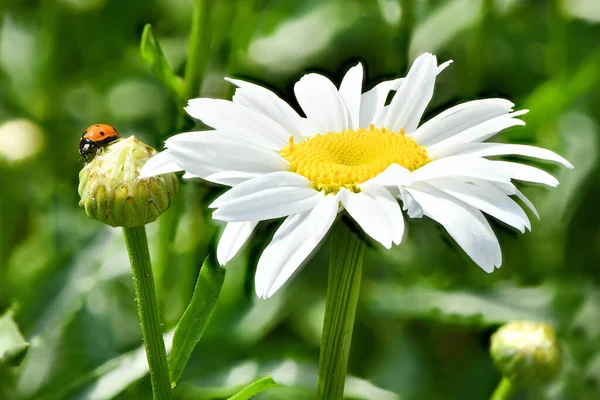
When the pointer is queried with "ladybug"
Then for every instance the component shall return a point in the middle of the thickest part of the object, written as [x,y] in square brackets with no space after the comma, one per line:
[96,137]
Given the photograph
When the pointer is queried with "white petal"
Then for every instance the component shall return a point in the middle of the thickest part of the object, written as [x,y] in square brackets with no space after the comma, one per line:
[350,90]
[506,187]
[463,166]
[272,180]
[459,118]
[394,175]
[269,204]
[269,196]
[487,198]
[411,99]
[372,107]
[293,242]
[268,103]
[527,202]
[188,175]
[322,103]
[511,190]
[373,101]
[522,172]
[205,153]
[230,178]
[410,205]
[367,213]
[161,163]
[389,205]
[247,123]
[499,149]
[463,223]
[323,215]
[480,132]
[272,259]
[233,238]
[443,66]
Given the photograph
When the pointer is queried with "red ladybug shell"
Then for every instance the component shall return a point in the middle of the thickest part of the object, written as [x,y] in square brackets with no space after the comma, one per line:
[99,132]
[95,137]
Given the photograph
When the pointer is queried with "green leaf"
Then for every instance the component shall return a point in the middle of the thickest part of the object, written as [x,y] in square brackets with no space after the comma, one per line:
[254,388]
[293,375]
[441,27]
[153,55]
[477,308]
[103,257]
[12,344]
[193,323]
[109,379]
[553,97]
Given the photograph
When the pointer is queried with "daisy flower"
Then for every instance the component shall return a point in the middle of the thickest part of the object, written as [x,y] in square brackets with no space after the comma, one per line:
[352,151]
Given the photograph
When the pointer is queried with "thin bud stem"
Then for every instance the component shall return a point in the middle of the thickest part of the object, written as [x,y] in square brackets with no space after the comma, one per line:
[139,256]
[505,390]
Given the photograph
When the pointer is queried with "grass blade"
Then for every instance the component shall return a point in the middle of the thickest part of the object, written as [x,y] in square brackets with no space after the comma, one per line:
[254,388]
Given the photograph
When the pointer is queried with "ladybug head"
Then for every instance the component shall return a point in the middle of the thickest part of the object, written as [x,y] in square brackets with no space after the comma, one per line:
[87,147]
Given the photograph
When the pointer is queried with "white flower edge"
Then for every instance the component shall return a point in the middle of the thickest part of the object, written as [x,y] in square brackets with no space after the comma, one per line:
[454,189]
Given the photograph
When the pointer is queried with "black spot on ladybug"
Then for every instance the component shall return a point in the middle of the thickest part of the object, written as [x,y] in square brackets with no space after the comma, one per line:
[101,133]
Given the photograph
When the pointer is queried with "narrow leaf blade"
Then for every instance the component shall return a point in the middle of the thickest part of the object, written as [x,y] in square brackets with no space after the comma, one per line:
[254,388]
[195,319]
[153,55]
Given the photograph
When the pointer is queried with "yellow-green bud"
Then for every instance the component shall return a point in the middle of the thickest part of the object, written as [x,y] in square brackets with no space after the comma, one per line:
[111,191]
[526,352]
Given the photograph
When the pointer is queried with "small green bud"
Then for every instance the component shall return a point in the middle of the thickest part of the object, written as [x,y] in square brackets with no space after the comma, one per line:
[526,352]
[111,191]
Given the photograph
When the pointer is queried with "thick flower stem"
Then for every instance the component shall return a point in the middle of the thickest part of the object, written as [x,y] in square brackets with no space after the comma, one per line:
[505,390]
[343,287]
[139,256]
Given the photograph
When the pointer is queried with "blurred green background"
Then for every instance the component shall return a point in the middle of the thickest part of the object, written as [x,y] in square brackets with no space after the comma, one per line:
[426,311]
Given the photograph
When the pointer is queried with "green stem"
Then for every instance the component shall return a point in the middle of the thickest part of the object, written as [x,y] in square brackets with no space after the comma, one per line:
[198,46]
[343,288]
[505,390]
[407,24]
[139,256]
[478,48]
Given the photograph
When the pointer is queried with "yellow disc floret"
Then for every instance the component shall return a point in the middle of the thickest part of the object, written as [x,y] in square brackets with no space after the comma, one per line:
[335,160]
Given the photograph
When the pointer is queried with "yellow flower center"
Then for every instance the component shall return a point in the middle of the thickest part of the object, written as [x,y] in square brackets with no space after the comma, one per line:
[335,160]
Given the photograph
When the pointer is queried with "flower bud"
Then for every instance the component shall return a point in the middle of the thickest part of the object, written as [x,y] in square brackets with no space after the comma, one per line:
[111,191]
[526,352]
